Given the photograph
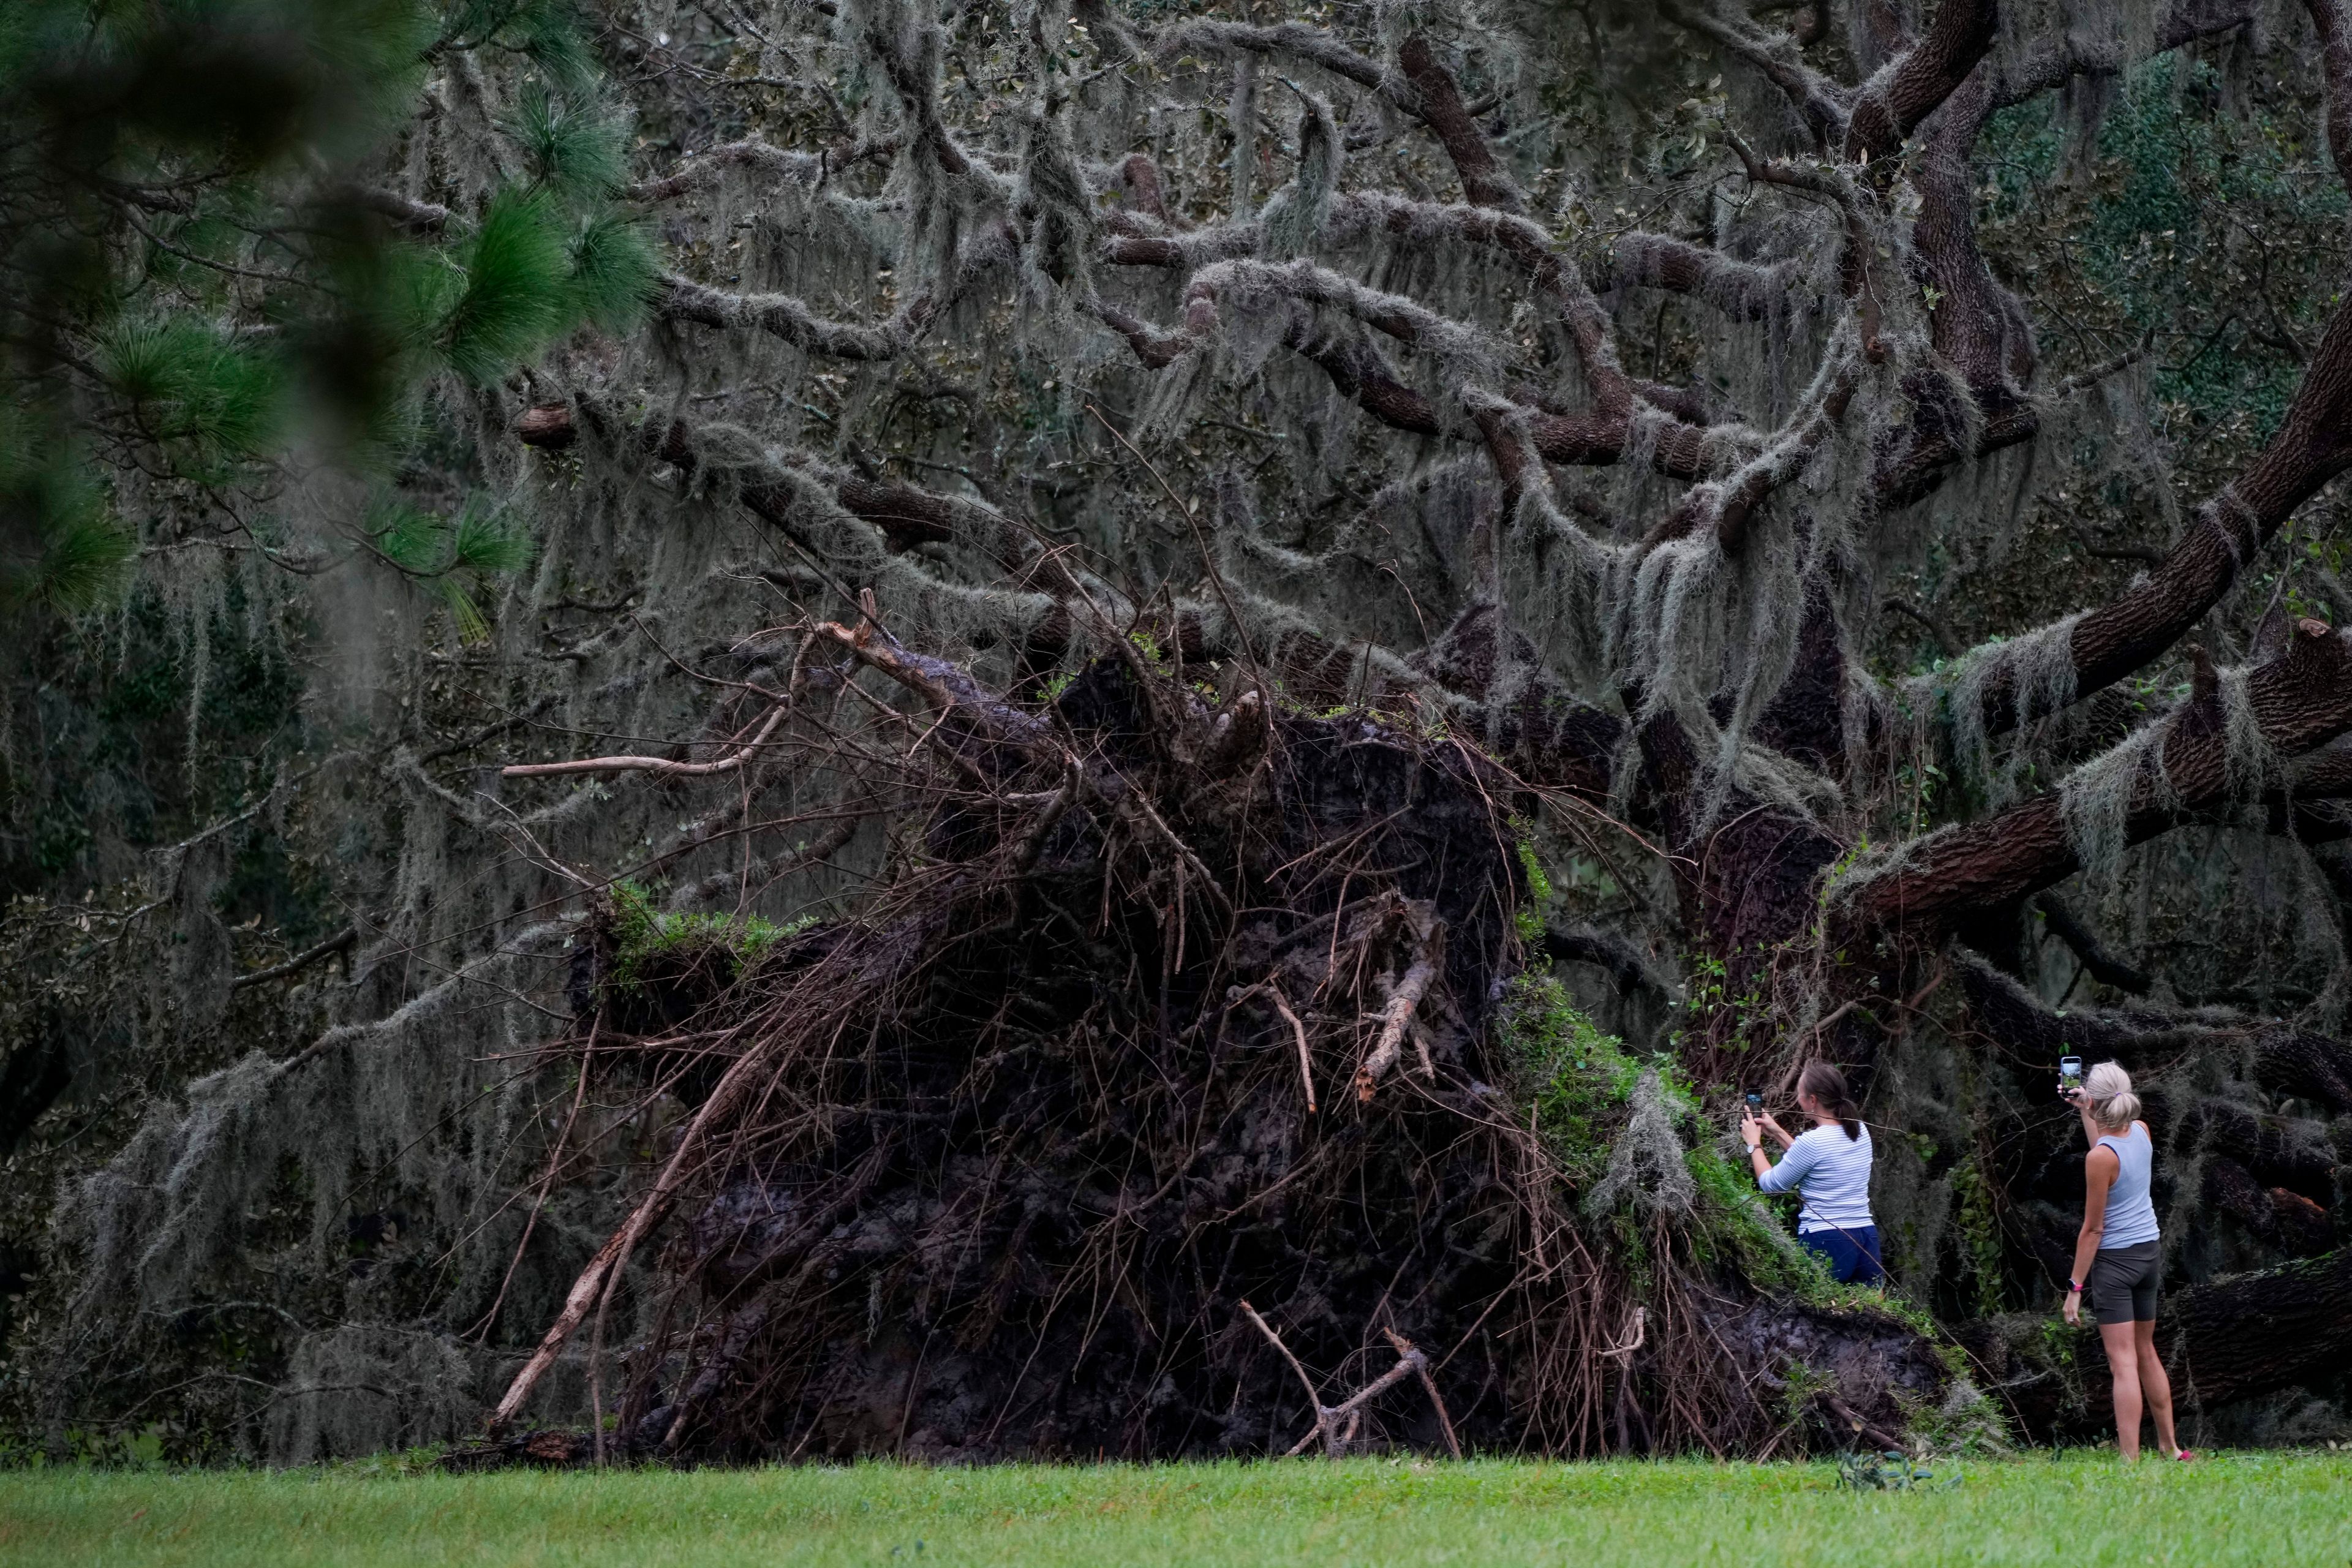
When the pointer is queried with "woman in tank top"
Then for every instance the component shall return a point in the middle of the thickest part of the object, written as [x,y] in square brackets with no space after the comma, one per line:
[2117,1257]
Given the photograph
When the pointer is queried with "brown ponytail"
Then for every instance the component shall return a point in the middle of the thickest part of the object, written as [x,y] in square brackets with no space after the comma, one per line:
[1828,1084]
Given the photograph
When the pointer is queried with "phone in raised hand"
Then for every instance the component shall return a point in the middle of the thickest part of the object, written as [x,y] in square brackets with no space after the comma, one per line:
[1754,1104]
[2070,1076]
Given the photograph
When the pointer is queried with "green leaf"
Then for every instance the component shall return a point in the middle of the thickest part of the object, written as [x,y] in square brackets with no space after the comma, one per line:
[517,278]
[547,32]
[454,562]
[573,150]
[614,272]
[415,541]
[472,626]
[194,388]
[60,545]
[487,543]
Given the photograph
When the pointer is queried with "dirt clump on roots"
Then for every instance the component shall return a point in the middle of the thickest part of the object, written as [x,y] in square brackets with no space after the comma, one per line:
[1178,1068]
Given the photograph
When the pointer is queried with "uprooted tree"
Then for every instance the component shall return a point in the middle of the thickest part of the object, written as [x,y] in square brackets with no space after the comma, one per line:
[1208,684]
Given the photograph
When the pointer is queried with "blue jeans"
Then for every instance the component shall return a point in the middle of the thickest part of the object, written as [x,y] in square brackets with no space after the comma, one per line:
[1851,1253]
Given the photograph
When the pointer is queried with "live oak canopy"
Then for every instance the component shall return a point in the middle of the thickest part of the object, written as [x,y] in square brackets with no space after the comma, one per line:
[1797,446]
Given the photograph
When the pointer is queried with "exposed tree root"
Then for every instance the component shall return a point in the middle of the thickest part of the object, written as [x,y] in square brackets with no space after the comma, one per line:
[999,1167]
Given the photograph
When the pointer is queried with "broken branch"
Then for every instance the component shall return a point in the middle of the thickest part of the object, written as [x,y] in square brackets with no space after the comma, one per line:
[1398,1014]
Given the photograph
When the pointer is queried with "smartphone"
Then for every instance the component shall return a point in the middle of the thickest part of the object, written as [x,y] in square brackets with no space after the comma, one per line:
[1755,1103]
[2070,1073]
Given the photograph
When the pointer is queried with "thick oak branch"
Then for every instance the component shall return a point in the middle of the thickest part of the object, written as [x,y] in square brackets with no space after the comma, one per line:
[2313,447]
[905,515]
[1484,181]
[2332,20]
[2302,700]
[1893,102]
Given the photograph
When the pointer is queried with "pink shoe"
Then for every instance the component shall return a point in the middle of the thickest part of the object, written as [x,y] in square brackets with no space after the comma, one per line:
[2184,1456]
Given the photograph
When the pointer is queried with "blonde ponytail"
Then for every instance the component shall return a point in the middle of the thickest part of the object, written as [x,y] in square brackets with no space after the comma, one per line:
[2108,1088]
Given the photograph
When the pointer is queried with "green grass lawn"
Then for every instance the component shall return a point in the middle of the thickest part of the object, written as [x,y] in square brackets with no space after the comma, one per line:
[2072,1509]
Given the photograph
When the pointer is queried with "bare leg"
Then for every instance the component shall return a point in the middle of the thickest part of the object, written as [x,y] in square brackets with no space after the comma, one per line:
[2123,1360]
[2155,1387]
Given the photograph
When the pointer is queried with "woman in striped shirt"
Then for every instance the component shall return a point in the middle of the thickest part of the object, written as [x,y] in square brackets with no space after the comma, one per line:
[1830,1165]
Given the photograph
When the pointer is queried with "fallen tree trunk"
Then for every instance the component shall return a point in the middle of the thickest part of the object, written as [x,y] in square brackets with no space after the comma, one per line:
[2255,1333]
[2231,1339]
[991,1170]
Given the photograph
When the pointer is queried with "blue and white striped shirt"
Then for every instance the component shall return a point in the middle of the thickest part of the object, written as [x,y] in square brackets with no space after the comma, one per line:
[1833,1173]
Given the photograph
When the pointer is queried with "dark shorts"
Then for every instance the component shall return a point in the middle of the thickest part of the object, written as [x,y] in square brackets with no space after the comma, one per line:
[1851,1253]
[2123,1283]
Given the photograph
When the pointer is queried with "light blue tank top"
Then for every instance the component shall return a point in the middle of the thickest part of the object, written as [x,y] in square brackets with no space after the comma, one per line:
[2131,1217]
